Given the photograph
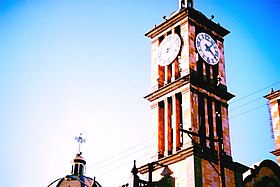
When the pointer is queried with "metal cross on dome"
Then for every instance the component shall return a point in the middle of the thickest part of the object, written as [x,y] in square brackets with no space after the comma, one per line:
[80,140]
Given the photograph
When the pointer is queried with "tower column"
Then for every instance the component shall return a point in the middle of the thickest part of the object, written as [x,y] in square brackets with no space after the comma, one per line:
[188,119]
[168,126]
[173,71]
[166,74]
[161,129]
[174,123]
[177,120]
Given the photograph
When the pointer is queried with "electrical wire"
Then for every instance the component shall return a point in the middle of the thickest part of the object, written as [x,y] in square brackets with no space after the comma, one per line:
[120,153]
[254,92]
[107,164]
[116,155]
[247,111]
[122,165]
[246,104]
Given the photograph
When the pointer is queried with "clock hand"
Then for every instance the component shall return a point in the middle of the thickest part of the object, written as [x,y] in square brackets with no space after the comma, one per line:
[212,53]
[167,49]
[172,44]
[211,45]
[208,48]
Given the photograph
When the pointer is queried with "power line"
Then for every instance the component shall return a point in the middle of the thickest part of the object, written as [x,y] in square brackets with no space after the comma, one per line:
[116,160]
[236,108]
[122,165]
[254,92]
[246,104]
[247,111]
[107,164]
[120,153]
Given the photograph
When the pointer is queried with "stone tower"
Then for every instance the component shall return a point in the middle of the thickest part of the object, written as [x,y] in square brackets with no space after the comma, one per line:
[274,105]
[189,102]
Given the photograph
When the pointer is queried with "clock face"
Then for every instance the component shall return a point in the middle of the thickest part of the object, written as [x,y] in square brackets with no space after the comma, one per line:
[207,48]
[168,49]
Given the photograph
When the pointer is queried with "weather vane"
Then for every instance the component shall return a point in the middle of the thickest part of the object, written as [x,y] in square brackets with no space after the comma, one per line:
[80,140]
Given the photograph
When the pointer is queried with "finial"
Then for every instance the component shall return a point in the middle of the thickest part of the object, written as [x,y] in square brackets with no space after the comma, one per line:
[80,141]
[134,170]
[186,3]
[271,90]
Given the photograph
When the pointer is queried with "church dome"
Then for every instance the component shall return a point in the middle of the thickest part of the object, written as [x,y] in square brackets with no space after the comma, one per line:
[77,177]
[77,181]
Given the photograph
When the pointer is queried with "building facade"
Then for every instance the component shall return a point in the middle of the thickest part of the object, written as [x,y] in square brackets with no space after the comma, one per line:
[189,103]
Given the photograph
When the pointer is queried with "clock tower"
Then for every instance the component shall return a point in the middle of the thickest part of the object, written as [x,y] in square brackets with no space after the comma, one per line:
[189,102]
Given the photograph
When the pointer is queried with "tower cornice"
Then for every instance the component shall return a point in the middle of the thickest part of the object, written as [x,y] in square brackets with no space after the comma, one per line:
[273,95]
[194,16]
[220,91]
[276,152]
[168,88]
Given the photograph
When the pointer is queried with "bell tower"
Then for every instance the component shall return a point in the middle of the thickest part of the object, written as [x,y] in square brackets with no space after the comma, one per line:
[189,101]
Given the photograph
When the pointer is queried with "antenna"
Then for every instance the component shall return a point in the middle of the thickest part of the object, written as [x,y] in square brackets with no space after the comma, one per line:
[80,140]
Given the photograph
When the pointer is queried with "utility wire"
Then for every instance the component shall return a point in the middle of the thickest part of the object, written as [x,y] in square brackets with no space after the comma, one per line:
[254,92]
[247,111]
[245,104]
[120,153]
[107,164]
[122,165]
[121,158]
[236,108]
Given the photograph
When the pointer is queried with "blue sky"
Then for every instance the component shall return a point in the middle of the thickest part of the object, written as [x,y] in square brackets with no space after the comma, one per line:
[84,66]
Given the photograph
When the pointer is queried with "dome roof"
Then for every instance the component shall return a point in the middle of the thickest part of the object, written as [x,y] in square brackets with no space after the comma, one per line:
[77,177]
[77,181]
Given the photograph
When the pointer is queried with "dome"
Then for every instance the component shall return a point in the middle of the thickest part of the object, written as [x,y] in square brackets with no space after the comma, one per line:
[77,181]
[77,177]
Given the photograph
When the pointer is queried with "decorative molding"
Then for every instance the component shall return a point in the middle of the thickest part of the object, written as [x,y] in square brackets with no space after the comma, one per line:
[273,95]
[193,15]
[276,152]
[168,88]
